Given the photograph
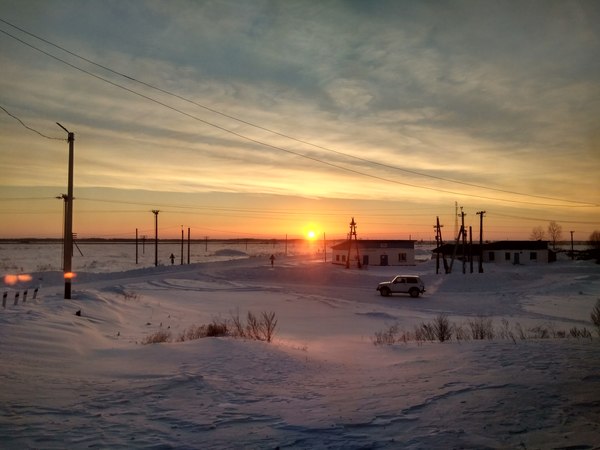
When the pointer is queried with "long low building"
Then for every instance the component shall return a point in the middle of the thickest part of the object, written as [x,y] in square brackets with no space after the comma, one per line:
[503,252]
[375,252]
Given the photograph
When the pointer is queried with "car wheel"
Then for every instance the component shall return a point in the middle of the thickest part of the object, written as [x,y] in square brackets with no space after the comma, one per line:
[385,292]
[414,292]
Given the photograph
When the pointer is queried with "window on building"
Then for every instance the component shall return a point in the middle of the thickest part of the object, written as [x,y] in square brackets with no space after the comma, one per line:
[492,256]
[507,256]
[533,256]
[401,257]
[337,258]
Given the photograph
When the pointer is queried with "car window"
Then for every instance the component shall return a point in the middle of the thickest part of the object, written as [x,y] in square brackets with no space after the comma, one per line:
[412,280]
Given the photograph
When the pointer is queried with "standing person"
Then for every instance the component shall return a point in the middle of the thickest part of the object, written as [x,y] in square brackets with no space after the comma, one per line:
[172,258]
[272,258]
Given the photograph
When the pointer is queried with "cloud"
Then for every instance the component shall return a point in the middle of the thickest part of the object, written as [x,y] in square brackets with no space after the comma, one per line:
[495,94]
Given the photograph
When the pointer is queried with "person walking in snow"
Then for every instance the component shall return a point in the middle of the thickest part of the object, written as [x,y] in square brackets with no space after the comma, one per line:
[172,258]
[272,258]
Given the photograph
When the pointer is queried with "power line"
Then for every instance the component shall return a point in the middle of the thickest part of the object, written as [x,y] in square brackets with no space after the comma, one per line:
[28,127]
[318,160]
[580,222]
[287,136]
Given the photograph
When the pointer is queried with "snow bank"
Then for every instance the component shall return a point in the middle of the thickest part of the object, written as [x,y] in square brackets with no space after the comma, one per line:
[79,381]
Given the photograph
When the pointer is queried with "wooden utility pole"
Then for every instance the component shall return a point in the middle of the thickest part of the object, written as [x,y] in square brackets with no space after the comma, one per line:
[189,242]
[181,246]
[470,249]
[155,212]
[464,240]
[136,245]
[68,236]
[481,214]
[572,249]
[458,236]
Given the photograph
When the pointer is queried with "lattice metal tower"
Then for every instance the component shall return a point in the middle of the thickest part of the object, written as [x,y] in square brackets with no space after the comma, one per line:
[352,238]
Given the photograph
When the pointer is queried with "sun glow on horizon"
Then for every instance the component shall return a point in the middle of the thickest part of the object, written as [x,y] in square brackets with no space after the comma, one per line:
[311,235]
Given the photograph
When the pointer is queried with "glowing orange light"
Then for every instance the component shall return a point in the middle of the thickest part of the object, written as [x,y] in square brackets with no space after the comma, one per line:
[14,279]
[311,234]
[70,275]
[10,279]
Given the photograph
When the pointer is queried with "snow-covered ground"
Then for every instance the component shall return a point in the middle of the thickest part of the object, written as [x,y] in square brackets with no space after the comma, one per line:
[81,381]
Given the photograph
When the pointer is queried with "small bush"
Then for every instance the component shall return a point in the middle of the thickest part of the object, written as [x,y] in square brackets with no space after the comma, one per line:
[442,328]
[460,333]
[481,328]
[520,332]
[260,328]
[131,295]
[386,337]
[239,330]
[269,323]
[580,333]
[539,332]
[216,329]
[158,337]
[425,332]
[192,333]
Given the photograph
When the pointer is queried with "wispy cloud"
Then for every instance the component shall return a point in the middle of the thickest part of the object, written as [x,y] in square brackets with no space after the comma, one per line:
[497,94]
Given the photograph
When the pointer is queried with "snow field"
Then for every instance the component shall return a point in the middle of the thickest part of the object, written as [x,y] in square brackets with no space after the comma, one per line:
[85,381]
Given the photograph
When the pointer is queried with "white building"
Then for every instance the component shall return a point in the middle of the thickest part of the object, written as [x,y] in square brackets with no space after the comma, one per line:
[504,252]
[375,252]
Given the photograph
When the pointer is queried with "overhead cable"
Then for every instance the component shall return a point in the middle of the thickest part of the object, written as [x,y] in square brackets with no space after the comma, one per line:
[318,160]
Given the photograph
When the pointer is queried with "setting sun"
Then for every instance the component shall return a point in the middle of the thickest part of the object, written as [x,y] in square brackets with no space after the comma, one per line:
[311,234]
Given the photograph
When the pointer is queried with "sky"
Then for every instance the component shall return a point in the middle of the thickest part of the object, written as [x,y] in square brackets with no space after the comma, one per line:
[269,119]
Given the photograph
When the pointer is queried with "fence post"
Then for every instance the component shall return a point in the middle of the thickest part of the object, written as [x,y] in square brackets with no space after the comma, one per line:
[35,291]
[25,296]
[16,298]
[4,299]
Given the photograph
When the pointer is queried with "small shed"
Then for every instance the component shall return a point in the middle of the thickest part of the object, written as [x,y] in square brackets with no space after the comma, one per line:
[376,252]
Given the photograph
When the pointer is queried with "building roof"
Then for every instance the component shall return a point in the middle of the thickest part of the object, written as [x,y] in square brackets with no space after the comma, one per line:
[376,244]
[498,245]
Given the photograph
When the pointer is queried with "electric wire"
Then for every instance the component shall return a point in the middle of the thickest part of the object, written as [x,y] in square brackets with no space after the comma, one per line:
[575,204]
[302,141]
[28,127]
[287,136]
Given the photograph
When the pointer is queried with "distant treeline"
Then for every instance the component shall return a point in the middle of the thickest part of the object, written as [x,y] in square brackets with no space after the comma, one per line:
[149,239]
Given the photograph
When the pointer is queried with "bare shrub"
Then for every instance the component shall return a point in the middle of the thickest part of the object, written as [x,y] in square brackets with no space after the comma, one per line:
[595,316]
[253,326]
[425,332]
[481,328]
[580,333]
[460,333]
[217,328]
[192,333]
[442,328]
[520,332]
[504,332]
[268,325]
[386,337]
[158,337]
[239,330]
[127,295]
[539,332]
[261,328]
